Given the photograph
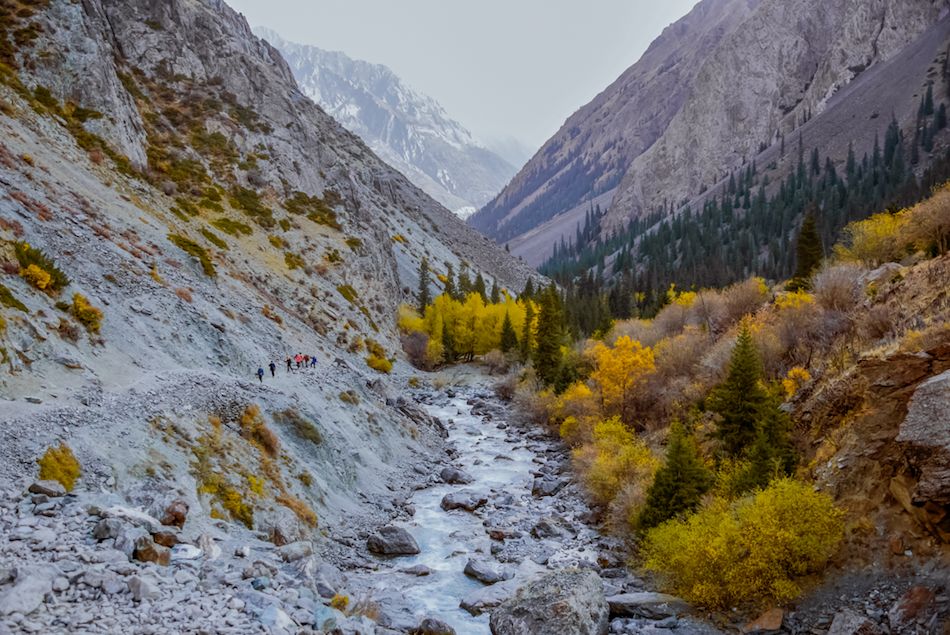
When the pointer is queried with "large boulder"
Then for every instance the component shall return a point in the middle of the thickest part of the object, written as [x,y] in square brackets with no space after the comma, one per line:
[392,541]
[847,622]
[27,594]
[484,572]
[455,476]
[466,499]
[567,602]
[646,604]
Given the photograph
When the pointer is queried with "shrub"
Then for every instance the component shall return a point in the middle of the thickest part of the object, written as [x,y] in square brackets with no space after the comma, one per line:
[349,293]
[38,268]
[496,362]
[195,250]
[10,301]
[876,240]
[354,243]
[379,364]
[301,426]
[837,288]
[751,550]
[214,239]
[339,602]
[60,464]
[250,203]
[36,277]
[616,457]
[254,429]
[299,508]
[416,347]
[318,210]
[86,314]
[350,397]
[293,261]
[231,227]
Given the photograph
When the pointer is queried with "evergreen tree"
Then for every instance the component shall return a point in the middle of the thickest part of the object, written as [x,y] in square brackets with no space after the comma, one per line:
[423,297]
[527,337]
[509,340]
[808,251]
[528,292]
[680,484]
[547,350]
[741,399]
[495,293]
[464,286]
[940,119]
[480,287]
[450,289]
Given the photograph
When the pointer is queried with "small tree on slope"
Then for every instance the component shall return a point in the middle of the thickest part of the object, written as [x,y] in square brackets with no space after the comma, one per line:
[680,484]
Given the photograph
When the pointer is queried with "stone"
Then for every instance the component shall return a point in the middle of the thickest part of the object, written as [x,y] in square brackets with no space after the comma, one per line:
[242,552]
[107,528]
[550,527]
[646,604]
[769,621]
[143,589]
[484,572]
[419,570]
[165,538]
[924,437]
[848,622]
[392,541]
[915,603]
[147,551]
[295,551]
[275,619]
[53,489]
[60,584]
[547,486]
[466,499]
[569,602]
[209,547]
[455,476]
[432,626]
[128,536]
[26,595]
[175,514]
[182,551]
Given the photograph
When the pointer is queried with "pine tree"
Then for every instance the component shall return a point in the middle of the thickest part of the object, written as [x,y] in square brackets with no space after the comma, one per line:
[741,399]
[464,286]
[450,289]
[527,337]
[449,353]
[528,292]
[509,340]
[940,119]
[547,350]
[680,484]
[423,297]
[480,288]
[808,251]
[495,293]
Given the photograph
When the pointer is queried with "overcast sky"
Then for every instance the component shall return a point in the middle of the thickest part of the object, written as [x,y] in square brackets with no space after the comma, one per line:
[503,68]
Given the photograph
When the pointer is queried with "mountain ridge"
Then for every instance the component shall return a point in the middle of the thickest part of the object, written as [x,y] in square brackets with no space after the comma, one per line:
[409,130]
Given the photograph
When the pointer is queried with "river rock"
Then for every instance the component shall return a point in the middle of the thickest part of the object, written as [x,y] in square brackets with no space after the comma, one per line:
[455,476]
[432,626]
[654,606]
[419,570]
[914,604]
[847,622]
[567,602]
[26,595]
[107,528]
[767,622]
[466,499]
[547,486]
[295,551]
[392,541]
[48,488]
[175,514]
[484,572]
[147,551]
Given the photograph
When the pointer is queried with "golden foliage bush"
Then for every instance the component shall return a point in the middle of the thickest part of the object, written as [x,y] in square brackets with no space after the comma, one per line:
[39,269]
[379,364]
[615,458]
[37,277]
[339,602]
[86,314]
[618,370]
[60,464]
[876,240]
[755,549]
[254,429]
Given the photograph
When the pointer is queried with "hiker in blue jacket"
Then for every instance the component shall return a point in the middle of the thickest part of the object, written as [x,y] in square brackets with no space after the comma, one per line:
[260,375]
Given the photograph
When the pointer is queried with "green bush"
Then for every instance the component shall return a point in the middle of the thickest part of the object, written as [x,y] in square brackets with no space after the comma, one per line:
[250,203]
[195,250]
[10,301]
[232,227]
[28,256]
[751,550]
[214,239]
[314,208]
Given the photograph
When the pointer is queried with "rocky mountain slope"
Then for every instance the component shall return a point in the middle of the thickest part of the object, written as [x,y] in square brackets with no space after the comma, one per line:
[408,130]
[159,164]
[715,90]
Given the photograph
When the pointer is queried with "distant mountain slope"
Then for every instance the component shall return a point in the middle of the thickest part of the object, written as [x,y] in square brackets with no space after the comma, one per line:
[410,131]
[713,91]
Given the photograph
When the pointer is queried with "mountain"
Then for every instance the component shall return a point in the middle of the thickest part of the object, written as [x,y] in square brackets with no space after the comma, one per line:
[408,130]
[718,88]
[175,214]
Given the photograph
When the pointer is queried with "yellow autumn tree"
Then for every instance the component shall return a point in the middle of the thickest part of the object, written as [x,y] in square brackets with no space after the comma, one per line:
[876,240]
[617,371]
[614,459]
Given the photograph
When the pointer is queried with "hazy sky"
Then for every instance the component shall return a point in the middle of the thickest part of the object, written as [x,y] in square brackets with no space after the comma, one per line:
[503,68]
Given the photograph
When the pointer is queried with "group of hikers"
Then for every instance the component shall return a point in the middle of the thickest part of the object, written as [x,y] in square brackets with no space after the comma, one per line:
[301,361]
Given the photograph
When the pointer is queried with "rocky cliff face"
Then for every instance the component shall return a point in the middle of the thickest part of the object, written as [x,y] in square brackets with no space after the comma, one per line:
[162,155]
[710,93]
[410,131]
